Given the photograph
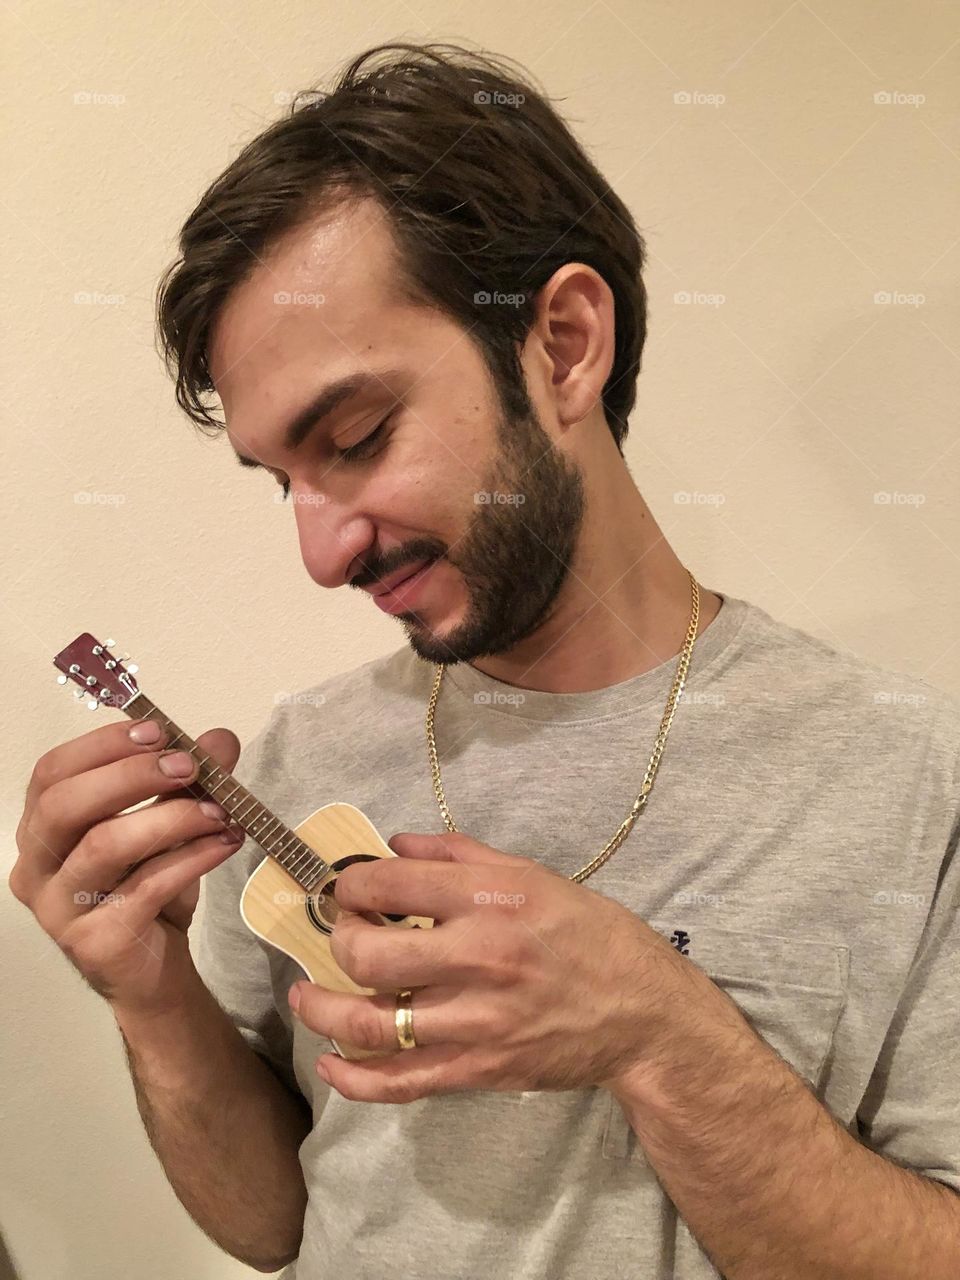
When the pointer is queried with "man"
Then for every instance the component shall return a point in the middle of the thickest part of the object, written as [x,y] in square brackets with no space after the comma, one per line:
[689,1007]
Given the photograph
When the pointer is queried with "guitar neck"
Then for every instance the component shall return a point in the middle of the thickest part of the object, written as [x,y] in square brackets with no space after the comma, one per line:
[242,807]
[104,680]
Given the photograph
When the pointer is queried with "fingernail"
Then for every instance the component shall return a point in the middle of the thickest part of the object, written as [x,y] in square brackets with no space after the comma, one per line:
[145,732]
[233,835]
[294,997]
[176,764]
[212,809]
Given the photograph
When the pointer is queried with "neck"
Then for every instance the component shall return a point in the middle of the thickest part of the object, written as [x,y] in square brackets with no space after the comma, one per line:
[624,609]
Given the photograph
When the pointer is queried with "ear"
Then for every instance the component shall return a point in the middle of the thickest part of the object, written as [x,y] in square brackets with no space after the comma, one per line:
[575,321]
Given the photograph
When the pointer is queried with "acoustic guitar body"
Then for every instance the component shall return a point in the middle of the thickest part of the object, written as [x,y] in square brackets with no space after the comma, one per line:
[275,907]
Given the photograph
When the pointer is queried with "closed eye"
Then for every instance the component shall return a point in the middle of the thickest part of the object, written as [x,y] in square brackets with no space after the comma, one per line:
[355,453]
[362,448]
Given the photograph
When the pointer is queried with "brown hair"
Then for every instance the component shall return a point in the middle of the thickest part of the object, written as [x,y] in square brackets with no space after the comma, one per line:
[487,193]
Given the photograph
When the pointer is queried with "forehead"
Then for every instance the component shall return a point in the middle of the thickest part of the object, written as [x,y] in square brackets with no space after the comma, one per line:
[320,299]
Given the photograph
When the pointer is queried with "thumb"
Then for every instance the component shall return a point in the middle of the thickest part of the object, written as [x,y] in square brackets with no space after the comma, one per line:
[221,745]
[179,910]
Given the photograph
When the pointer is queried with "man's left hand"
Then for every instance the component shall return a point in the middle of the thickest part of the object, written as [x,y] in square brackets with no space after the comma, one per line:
[527,980]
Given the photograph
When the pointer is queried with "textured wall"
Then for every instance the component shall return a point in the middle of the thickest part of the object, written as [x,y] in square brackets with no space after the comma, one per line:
[748,141]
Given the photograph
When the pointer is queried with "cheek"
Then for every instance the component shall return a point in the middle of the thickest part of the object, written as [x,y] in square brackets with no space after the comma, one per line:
[426,497]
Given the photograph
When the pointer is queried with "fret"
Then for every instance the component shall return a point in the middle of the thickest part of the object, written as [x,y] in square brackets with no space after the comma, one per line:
[264,832]
[305,852]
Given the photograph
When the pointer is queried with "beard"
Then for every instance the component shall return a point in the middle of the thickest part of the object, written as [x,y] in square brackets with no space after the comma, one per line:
[515,555]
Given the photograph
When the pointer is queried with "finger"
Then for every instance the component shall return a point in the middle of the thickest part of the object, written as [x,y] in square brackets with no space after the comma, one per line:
[140,898]
[391,957]
[451,846]
[221,745]
[106,857]
[406,887]
[405,1076]
[369,1022]
[66,810]
[37,860]
[90,750]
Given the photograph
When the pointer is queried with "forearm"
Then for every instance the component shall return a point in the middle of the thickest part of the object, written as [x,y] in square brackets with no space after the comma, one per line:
[225,1129]
[766,1179]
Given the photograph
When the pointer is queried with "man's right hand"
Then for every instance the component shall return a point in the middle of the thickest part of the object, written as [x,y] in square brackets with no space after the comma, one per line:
[116,891]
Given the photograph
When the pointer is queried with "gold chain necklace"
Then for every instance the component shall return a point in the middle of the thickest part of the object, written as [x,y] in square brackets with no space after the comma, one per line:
[638,805]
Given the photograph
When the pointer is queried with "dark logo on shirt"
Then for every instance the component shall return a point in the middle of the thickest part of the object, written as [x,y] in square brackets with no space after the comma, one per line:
[681,940]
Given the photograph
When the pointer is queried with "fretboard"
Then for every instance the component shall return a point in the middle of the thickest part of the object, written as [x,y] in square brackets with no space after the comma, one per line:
[273,836]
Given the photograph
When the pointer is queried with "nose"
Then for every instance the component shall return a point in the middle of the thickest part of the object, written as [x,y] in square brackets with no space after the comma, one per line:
[333,538]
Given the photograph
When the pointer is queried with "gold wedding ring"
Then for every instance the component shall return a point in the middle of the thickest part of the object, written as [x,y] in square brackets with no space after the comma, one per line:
[404,1020]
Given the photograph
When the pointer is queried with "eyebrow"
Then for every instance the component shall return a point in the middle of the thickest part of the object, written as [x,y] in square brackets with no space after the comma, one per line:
[331,397]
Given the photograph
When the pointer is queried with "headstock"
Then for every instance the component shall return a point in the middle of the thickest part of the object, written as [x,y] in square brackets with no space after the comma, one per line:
[101,676]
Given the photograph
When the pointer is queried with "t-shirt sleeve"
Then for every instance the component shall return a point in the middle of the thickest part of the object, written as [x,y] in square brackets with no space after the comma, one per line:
[910,1112]
[232,961]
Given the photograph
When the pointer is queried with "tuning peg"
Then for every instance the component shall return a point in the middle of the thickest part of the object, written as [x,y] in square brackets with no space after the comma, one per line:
[133,669]
[61,679]
[108,644]
[93,704]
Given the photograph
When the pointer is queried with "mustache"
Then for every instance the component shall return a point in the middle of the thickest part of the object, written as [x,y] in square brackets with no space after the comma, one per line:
[375,569]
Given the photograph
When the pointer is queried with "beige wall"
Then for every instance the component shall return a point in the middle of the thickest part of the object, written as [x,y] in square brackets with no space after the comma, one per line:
[784,410]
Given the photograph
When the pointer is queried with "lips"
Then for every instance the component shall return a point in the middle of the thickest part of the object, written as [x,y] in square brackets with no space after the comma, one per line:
[390,584]
[406,595]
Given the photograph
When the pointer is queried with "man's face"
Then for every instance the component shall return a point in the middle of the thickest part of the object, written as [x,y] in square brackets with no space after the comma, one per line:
[493,504]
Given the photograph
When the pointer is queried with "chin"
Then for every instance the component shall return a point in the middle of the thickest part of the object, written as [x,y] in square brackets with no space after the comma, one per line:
[421,636]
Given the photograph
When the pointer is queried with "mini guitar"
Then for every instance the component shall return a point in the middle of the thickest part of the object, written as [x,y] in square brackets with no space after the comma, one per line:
[288,900]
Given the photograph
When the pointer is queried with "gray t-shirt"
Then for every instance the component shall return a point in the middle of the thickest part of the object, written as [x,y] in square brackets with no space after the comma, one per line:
[799,845]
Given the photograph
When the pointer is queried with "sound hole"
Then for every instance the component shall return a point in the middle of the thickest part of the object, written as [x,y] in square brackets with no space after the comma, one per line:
[322,907]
